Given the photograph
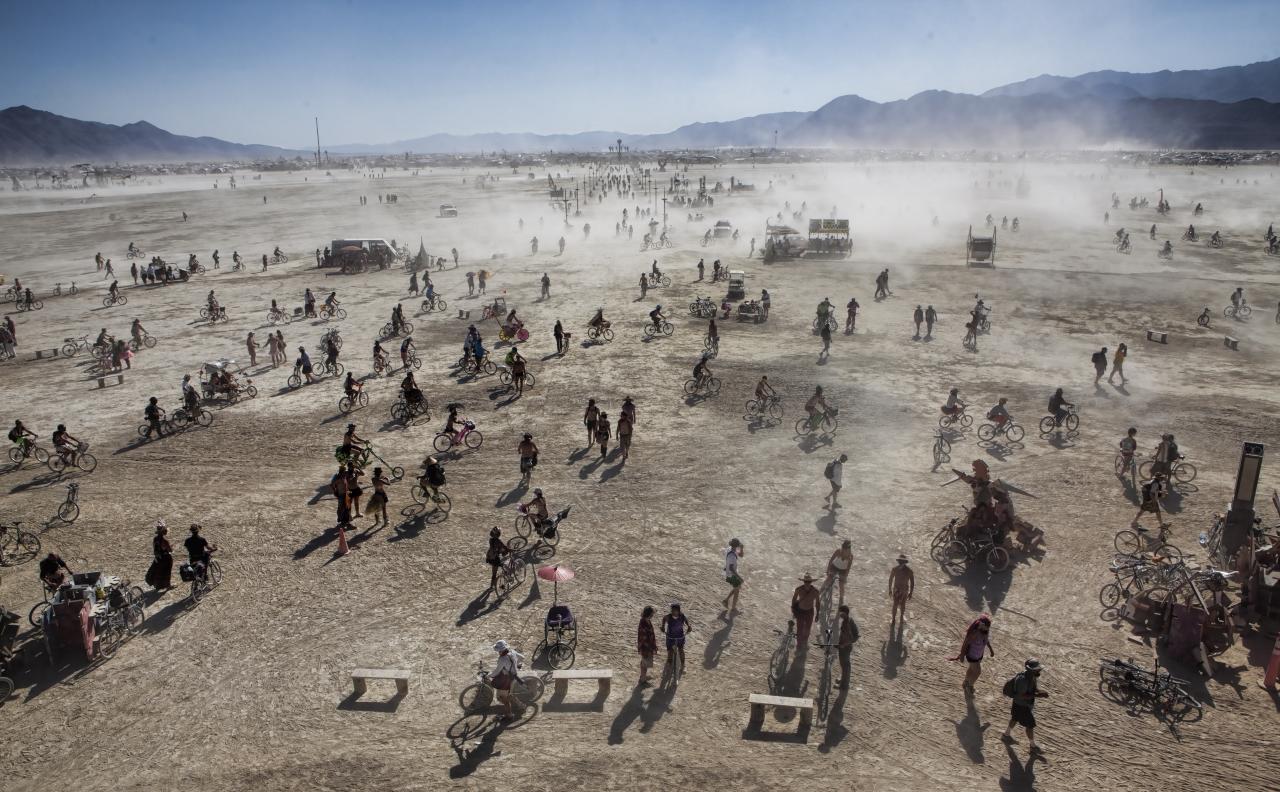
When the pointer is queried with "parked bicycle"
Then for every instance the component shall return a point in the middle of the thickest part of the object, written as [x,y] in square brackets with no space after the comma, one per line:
[69,509]
[17,545]
[1127,683]
[1139,540]
[780,661]
[941,448]
[57,289]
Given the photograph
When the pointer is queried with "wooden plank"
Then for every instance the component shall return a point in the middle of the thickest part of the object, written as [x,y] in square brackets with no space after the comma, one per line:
[582,673]
[780,701]
[380,673]
[1230,343]
[1159,336]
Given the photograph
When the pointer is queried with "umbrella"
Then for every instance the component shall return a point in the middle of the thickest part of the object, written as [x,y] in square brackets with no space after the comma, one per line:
[556,573]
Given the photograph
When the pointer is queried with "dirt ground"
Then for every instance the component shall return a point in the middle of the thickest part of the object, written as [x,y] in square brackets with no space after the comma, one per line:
[250,689]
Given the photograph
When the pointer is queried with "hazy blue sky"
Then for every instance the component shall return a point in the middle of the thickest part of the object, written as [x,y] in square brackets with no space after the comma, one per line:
[378,71]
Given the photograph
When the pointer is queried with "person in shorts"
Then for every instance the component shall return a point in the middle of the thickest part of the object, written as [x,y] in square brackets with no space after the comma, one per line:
[976,645]
[1026,689]
[675,626]
[732,554]
[646,643]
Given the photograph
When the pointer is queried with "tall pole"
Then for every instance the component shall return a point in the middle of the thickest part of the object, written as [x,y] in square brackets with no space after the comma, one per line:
[317,141]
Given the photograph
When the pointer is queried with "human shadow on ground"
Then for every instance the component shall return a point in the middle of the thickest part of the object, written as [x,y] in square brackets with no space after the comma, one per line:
[836,731]
[717,642]
[328,536]
[637,708]
[1022,777]
[893,651]
[511,496]
[983,586]
[487,602]
[970,730]
[827,522]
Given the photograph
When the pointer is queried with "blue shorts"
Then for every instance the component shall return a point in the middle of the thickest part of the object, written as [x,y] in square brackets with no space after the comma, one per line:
[673,643]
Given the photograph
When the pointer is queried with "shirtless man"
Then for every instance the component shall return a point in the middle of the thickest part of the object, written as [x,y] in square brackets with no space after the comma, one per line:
[902,584]
[528,452]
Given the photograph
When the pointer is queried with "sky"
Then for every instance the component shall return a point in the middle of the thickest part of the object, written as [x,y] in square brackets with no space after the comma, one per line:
[377,71]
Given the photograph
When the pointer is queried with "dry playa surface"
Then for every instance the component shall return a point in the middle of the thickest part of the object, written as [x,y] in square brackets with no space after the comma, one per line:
[251,688]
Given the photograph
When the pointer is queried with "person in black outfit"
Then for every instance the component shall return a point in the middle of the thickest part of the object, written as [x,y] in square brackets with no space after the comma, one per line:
[494,555]
[199,551]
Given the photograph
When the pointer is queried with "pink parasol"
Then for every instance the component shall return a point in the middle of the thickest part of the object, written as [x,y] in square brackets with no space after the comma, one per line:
[556,573]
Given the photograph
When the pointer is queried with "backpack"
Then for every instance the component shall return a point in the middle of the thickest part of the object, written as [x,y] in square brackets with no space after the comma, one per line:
[1011,686]
[13,434]
[830,471]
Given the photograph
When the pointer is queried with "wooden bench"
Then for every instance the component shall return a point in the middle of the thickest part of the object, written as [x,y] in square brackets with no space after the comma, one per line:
[759,701]
[464,314]
[1230,343]
[40,353]
[1159,336]
[102,383]
[360,677]
[603,676]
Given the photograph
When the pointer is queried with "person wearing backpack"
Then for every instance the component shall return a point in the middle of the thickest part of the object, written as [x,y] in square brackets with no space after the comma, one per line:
[835,474]
[1024,689]
[1099,364]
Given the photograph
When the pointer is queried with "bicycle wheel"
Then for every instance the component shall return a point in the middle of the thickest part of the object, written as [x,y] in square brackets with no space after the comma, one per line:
[15,454]
[397,473]
[69,349]
[134,617]
[295,381]
[829,424]
[505,377]
[560,655]
[523,527]
[648,331]
[1184,472]
[997,559]
[966,420]
[1122,465]
[987,432]
[56,463]
[6,689]
[214,573]
[775,410]
[110,638]
[955,557]
[344,404]
[753,407]
[398,412]
[1168,551]
[1128,542]
[475,697]
[68,512]
[442,304]
[1047,425]
[1014,433]
[1244,311]
[442,503]
[41,455]
[802,427]
[38,304]
[528,689]
[690,387]
[1144,469]
[1072,422]
[205,418]
[1110,595]
[473,439]
[22,547]
[607,334]
[36,614]
[107,302]
[443,442]
[667,328]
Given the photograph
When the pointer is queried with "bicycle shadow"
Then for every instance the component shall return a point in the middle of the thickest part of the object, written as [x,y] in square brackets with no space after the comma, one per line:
[812,442]
[482,749]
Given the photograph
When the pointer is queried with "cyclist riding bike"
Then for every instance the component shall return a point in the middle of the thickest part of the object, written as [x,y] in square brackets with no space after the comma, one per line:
[409,387]
[137,331]
[236,260]
[1167,249]
[999,414]
[453,423]
[352,442]
[1058,405]
[103,341]
[65,445]
[199,551]
[350,386]
[514,358]
[114,290]
[379,358]
[1128,447]
[598,321]
[153,413]
[824,310]
[54,572]
[816,406]
[701,371]
[1237,298]
[331,301]
[133,248]
[277,252]
[330,351]
[190,396]
[656,316]
[536,510]
[21,436]
[432,478]
[954,405]
[655,274]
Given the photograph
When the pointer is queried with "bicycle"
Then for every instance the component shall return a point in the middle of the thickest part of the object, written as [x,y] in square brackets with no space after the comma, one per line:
[781,658]
[278,317]
[406,411]
[525,690]
[958,416]
[941,448]
[545,529]
[69,509]
[772,405]
[24,451]
[708,386]
[145,340]
[354,401]
[204,578]
[1124,464]
[660,280]
[30,305]
[434,304]
[468,436]
[278,258]
[511,574]
[504,376]
[17,546]
[824,423]
[1136,542]
[598,332]
[1011,431]
[1126,683]
[114,299]
[1132,575]
[182,418]
[72,346]
[328,369]
[832,324]
[134,254]
[57,289]
[1241,311]
[824,679]
[651,330]
[1049,424]
[438,500]
[332,312]
[1204,318]
[1181,472]
[80,458]
[712,345]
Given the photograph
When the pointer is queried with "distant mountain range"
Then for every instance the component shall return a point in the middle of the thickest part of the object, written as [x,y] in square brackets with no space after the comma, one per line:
[1231,107]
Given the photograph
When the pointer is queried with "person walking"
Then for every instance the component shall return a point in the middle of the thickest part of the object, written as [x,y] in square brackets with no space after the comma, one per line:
[918,318]
[851,315]
[6,342]
[1099,364]
[646,644]
[623,433]
[546,286]
[930,317]
[825,332]
[701,268]
[603,433]
[494,556]
[413,283]
[835,475]
[975,646]
[589,419]
[1152,492]
[280,346]
[558,333]
[160,573]
[1117,365]
[838,566]
[252,346]
[804,609]
[481,277]
[732,555]
[378,500]
[1024,689]
[471,284]
[505,673]
[847,632]
[133,270]
[902,584]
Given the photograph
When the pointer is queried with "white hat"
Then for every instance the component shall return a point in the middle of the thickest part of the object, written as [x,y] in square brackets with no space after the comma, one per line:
[501,646]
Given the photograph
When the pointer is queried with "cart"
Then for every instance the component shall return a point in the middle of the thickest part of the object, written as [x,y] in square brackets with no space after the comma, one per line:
[980,251]
[737,285]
